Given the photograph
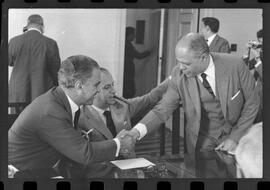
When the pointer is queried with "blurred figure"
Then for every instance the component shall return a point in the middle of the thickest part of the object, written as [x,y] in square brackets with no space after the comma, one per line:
[210,27]
[35,61]
[249,153]
[129,67]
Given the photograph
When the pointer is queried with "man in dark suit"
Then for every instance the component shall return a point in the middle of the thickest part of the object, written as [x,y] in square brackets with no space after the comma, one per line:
[35,61]
[46,131]
[120,113]
[218,96]
[210,27]
[108,116]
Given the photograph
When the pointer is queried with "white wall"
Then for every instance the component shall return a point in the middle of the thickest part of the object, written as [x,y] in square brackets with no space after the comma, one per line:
[97,33]
[237,25]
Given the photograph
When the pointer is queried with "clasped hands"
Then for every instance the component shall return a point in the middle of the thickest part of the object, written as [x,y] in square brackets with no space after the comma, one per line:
[127,140]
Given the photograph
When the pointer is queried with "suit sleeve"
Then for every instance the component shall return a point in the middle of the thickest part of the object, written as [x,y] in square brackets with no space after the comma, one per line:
[11,53]
[53,61]
[60,134]
[145,103]
[163,110]
[251,105]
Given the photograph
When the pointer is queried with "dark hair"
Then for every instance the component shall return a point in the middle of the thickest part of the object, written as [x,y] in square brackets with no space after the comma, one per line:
[130,30]
[74,68]
[260,34]
[35,19]
[212,22]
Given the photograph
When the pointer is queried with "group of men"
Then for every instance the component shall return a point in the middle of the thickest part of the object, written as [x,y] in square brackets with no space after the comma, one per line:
[80,122]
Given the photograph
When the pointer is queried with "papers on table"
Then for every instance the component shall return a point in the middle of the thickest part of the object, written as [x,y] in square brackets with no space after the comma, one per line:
[132,163]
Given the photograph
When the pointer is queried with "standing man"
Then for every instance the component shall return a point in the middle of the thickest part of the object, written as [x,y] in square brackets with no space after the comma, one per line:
[210,27]
[35,61]
[218,96]
[46,131]
[129,68]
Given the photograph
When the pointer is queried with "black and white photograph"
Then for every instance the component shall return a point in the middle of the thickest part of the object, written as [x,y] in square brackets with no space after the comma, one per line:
[135,93]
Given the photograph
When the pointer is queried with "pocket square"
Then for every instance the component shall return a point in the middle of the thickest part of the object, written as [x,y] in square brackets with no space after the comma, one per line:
[235,95]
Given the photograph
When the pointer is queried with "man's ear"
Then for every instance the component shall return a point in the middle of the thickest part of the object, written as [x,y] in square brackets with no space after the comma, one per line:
[78,85]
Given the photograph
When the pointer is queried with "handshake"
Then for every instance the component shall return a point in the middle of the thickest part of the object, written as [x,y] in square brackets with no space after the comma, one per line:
[127,140]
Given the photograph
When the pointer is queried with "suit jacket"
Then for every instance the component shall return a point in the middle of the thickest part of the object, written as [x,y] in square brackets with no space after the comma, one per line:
[220,45]
[44,133]
[90,119]
[238,97]
[35,61]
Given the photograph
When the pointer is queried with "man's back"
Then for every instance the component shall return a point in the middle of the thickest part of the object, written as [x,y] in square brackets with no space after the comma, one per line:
[35,61]
[220,45]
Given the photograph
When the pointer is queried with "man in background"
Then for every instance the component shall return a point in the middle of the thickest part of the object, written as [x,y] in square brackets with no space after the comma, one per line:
[254,60]
[131,53]
[35,61]
[108,115]
[210,27]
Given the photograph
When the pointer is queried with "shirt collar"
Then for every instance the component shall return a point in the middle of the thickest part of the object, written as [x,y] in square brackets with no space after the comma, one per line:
[33,29]
[74,107]
[99,110]
[211,38]
[210,71]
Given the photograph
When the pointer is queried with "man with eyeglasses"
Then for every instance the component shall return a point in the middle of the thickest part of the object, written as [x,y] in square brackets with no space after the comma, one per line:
[108,115]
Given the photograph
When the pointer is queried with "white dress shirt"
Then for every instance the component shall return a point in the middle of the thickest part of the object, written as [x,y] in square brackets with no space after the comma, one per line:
[210,76]
[100,113]
[33,29]
[210,39]
[74,107]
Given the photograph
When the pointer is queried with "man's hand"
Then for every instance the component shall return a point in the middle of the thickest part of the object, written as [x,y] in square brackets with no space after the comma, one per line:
[227,145]
[134,133]
[127,143]
[119,112]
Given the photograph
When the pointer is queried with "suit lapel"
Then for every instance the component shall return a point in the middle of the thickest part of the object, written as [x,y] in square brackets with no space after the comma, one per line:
[95,120]
[194,93]
[222,82]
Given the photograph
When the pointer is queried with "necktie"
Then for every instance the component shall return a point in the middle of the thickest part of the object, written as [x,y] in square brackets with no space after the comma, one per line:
[207,85]
[76,118]
[109,122]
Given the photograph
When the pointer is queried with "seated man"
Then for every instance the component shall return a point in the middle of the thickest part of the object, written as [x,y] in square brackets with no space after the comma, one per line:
[46,131]
[248,153]
[108,115]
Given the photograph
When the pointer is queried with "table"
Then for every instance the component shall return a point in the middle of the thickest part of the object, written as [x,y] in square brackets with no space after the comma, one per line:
[206,164]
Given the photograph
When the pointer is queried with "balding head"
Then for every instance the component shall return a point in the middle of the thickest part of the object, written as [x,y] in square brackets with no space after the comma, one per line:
[192,52]
[193,42]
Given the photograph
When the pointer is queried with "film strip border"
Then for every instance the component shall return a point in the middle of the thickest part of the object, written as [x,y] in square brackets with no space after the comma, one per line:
[198,184]
[133,185]
[146,3]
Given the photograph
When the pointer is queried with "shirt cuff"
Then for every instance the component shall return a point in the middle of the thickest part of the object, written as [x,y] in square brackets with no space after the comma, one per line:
[142,130]
[118,146]
[258,63]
